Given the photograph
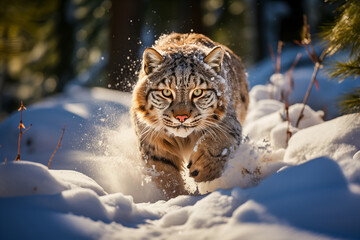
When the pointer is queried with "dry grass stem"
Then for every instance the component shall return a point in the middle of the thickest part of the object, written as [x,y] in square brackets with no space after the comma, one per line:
[278,57]
[288,132]
[21,127]
[290,78]
[307,44]
[312,82]
[272,55]
[276,62]
[57,147]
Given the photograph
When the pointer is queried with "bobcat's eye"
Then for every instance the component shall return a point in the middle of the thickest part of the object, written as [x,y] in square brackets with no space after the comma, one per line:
[166,93]
[197,92]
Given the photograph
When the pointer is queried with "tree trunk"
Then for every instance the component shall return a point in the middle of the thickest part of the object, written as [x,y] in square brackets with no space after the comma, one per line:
[125,27]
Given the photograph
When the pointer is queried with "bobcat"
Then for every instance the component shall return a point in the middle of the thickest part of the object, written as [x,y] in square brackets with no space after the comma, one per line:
[188,103]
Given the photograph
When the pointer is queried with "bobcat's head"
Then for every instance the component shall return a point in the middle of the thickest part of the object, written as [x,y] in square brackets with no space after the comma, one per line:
[180,92]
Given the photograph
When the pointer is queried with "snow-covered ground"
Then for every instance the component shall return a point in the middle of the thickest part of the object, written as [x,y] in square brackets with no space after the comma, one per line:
[95,187]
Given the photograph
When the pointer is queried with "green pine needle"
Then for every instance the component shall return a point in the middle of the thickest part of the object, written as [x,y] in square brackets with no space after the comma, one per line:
[345,33]
[345,70]
[350,103]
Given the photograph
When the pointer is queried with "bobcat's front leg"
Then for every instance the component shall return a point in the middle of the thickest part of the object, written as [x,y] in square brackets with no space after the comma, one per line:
[167,178]
[212,151]
[164,171]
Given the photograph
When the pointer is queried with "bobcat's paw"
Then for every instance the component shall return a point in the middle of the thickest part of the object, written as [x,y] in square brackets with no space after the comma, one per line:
[205,165]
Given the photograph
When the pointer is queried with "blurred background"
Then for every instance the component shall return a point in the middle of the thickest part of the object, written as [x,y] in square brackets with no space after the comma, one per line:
[47,45]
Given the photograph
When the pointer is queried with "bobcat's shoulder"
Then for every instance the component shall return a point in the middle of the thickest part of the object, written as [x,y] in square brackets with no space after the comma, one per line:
[191,92]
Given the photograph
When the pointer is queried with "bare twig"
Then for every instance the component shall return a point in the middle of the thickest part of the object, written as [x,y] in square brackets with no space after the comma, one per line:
[325,112]
[289,76]
[21,127]
[272,55]
[288,132]
[297,58]
[275,62]
[58,145]
[311,56]
[307,44]
[278,57]
[27,129]
[313,80]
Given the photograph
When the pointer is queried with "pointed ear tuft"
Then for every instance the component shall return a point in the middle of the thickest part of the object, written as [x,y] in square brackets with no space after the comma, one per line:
[214,58]
[152,59]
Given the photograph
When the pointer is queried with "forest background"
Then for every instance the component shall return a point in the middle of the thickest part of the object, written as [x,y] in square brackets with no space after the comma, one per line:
[45,45]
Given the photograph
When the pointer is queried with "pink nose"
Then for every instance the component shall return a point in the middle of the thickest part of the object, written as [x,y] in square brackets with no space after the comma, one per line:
[182,118]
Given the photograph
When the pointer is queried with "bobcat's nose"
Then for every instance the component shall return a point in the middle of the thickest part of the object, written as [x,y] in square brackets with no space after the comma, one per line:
[182,118]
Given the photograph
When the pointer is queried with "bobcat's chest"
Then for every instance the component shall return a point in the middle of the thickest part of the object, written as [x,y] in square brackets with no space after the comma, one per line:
[181,147]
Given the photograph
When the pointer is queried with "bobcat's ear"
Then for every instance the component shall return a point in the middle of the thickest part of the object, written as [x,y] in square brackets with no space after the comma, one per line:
[152,59]
[214,58]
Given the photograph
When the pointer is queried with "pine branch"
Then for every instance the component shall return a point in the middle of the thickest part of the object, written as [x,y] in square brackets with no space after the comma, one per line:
[350,103]
[345,70]
[345,32]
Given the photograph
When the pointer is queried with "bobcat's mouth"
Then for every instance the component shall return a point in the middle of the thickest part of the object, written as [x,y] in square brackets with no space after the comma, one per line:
[184,126]
[179,126]
[180,130]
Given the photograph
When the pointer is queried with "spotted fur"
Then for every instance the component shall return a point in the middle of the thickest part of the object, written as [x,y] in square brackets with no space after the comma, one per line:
[188,105]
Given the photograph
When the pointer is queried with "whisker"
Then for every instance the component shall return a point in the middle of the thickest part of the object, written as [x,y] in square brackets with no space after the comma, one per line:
[217,128]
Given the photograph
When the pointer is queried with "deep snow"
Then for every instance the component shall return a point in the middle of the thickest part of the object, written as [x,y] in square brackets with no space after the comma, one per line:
[95,188]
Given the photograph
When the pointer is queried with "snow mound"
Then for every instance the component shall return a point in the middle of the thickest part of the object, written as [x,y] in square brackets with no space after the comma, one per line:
[286,204]
[27,178]
[267,117]
[279,85]
[263,126]
[289,196]
[337,138]
[73,179]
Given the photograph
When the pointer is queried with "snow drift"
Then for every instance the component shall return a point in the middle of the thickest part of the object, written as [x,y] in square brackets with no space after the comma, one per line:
[308,188]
